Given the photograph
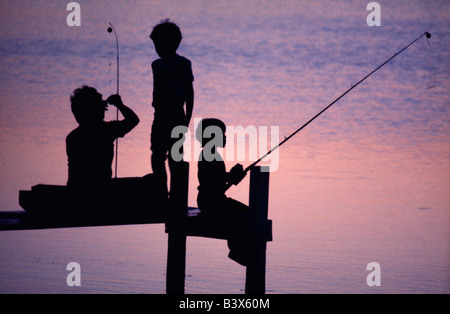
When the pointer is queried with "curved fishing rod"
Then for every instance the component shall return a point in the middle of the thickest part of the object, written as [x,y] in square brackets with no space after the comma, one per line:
[111,29]
[427,34]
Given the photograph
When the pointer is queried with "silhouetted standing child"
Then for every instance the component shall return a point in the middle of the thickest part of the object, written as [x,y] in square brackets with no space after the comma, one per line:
[214,179]
[172,89]
[90,147]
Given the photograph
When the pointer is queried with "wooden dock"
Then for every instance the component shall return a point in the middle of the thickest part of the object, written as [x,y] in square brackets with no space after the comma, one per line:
[181,221]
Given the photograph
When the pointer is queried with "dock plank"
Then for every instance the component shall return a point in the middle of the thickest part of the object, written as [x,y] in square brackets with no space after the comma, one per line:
[21,220]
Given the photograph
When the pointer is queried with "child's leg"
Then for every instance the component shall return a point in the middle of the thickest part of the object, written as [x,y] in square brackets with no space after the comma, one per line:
[159,147]
[238,248]
[232,206]
[162,141]
[158,161]
[174,161]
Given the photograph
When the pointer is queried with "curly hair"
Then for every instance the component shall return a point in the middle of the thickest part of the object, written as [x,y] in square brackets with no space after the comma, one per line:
[168,32]
[87,104]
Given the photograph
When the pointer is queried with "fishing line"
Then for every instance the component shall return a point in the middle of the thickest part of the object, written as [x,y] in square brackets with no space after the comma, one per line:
[110,30]
[432,81]
[427,34]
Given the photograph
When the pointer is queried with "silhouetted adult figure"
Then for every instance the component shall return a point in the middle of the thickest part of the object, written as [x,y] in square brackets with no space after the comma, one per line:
[172,89]
[90,147]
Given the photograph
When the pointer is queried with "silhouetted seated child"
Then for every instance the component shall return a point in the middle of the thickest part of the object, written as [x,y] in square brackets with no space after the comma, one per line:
[90,147]
[214,178]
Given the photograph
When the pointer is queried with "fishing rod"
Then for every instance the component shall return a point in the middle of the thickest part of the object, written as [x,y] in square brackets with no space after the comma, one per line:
[427,34]
[111,29]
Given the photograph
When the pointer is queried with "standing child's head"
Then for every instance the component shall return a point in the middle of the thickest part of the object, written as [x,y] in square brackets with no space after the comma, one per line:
[166,37]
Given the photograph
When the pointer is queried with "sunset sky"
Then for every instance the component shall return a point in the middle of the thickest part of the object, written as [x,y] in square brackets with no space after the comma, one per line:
[256,63]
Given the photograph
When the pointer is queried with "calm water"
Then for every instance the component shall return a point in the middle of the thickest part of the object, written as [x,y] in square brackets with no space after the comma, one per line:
[366,182]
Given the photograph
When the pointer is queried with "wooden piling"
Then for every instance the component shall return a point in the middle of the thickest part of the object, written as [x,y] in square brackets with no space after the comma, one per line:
[259,231]
[255,282]
[176,252]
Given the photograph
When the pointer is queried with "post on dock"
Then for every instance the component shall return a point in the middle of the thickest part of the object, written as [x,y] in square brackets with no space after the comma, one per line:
[255,282]
[178,206]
